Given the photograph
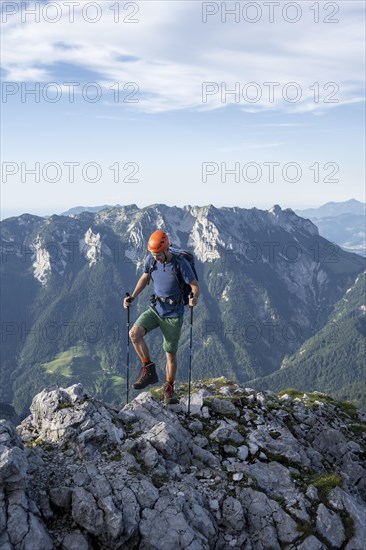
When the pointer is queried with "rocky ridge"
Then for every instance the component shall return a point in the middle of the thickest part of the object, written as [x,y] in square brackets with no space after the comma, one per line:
[246,470]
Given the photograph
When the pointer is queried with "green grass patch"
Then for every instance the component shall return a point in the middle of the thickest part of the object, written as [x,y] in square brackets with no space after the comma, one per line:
[349,525]
[116,457]
[325,483]
[65,405]
[359,428]
[272,406]
[304,527]
[159,480]
[297,476]
[158,393]
[118,382]
[280,500]
[39,442]
[281,459]
[292,393]
[61,364]
[83,363]
[219,382]
[76,360]
[346,407]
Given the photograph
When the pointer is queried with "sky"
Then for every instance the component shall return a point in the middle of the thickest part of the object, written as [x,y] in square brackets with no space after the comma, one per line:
[181,102]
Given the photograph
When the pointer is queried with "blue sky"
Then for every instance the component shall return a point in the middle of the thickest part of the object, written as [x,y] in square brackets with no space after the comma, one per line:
[292,133]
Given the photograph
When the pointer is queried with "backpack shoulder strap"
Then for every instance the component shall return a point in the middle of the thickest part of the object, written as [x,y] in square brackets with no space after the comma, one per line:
[177,271]
[152,264]
[188,257]
[177,258]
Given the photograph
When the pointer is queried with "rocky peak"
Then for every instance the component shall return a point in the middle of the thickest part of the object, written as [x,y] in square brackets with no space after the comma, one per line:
[90,247]
[291,221]
[246,470]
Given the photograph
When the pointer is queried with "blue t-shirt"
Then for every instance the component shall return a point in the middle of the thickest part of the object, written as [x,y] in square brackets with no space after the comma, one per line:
[166,285]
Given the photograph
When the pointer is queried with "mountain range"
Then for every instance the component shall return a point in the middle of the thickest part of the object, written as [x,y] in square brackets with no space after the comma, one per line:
[343,223]
[269,283]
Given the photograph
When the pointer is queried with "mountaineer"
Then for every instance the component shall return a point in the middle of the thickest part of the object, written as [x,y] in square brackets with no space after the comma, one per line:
[175,284]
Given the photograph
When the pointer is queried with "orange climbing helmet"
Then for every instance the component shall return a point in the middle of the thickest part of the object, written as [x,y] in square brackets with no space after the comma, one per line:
[158,242]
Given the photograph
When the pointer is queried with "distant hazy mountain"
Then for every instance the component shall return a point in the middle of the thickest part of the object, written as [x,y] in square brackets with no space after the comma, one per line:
[334,359]
[334,209]
[343,223]
[268,282]
[79,209]
[346,230]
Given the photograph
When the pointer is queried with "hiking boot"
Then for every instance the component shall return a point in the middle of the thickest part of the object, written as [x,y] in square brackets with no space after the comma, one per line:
[146,377]
[170,397]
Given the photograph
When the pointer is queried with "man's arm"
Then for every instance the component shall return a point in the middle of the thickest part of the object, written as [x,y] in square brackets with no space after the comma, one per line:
[141,283]
[196,292]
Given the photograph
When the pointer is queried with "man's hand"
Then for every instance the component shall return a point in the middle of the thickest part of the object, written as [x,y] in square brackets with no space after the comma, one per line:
[128,301]
[141,283]
[195,292]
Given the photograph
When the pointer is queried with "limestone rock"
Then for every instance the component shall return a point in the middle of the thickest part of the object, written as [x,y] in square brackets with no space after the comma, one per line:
[355,508]
[19,526]
[249,476]
[329,525]
[226,433]
[223,406]
[311,543]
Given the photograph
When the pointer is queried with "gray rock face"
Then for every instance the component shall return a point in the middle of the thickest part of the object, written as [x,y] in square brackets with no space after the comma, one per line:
[13,464]
[226,433]
[223,406]
[177,522]
[329,525]
[20,524]
[170,442]
[268,525]
[71,416]
[233,515]
[355,509]
[249,472]
[76,541]
[85,511]
[311,543]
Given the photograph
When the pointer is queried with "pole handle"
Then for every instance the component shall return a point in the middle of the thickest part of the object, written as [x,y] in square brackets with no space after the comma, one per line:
[128,309]
[191,307]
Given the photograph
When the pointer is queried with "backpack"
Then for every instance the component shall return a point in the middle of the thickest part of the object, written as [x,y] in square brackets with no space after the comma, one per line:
[178,254]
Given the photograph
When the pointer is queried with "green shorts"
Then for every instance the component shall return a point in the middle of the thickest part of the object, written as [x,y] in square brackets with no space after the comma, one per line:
[170,327]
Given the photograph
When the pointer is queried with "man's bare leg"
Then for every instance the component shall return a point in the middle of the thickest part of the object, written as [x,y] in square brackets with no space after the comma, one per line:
[148,373]
[137,334]
[171,366]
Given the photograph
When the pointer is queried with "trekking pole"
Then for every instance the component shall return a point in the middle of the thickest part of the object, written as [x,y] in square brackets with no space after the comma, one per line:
[128,350]
[190,356]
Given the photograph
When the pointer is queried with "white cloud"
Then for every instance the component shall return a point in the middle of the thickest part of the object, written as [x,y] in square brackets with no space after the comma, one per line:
[169,53]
